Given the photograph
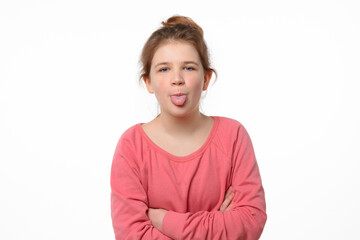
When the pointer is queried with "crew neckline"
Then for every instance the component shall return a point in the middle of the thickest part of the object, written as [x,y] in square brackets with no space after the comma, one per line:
[186,157]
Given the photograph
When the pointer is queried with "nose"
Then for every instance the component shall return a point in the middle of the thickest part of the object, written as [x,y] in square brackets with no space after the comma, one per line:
[177,79]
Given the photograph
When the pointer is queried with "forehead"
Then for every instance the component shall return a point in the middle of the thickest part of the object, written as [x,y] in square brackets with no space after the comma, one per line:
[175,52]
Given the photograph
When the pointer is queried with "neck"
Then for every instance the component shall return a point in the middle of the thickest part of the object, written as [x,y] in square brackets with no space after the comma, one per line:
[178,126]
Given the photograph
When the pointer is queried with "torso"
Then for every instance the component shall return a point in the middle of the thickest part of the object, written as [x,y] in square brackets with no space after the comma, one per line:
[185,178]
[190,183]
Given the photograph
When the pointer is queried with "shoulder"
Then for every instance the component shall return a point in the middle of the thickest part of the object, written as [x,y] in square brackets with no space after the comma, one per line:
[231,127]
[131,139]
[229,122]
[229,134]
[130,148]
[228,127]
[131,133]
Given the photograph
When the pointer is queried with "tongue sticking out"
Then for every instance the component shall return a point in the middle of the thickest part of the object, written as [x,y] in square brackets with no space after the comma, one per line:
[178,100]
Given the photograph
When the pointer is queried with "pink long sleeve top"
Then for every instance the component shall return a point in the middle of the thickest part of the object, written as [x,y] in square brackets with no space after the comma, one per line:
[192,188]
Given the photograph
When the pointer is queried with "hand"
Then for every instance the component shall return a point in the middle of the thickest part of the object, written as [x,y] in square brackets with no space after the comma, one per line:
[227,204]
[156,217]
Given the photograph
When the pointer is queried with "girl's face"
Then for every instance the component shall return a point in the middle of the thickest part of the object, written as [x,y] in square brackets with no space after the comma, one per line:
[177,78]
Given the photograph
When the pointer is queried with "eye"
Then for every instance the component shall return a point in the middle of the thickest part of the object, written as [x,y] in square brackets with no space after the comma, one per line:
[163,69]
[189,68]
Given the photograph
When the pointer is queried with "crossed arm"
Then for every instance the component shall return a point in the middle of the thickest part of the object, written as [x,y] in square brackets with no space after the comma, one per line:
[156,215]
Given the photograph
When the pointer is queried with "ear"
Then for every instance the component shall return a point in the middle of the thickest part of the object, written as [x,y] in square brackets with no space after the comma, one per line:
[148,84]
[207,77]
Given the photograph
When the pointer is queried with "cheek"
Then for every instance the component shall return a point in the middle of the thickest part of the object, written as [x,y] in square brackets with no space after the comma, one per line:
[159,86]
[197,84]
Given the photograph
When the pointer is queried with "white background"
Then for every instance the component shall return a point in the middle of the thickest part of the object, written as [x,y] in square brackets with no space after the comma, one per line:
[288,70]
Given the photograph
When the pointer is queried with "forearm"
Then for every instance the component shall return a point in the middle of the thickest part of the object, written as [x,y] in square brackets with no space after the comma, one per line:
[244,218]
[227,223]
[242,223]
[156,216]
[131,222]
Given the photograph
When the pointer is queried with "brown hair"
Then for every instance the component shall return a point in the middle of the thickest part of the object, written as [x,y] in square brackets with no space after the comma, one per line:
[178,28]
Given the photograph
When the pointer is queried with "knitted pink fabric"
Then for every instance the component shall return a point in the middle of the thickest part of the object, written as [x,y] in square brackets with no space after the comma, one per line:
[191,188]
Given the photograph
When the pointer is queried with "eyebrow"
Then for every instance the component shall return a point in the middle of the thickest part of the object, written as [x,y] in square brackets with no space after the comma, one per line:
[186,62]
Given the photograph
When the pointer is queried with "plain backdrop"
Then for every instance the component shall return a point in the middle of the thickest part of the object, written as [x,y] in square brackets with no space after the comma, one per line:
[287,70]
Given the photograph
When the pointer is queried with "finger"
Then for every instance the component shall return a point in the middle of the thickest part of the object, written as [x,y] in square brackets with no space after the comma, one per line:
[228,192]
[229,198]
[229,207]
[226,199]
[227,202]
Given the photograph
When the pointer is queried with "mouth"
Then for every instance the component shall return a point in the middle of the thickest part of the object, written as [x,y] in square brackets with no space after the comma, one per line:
[178,99]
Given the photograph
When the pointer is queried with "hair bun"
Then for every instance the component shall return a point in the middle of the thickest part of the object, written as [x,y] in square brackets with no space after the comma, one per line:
[175,20]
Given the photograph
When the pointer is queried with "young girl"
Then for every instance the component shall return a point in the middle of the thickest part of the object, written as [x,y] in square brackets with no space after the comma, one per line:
[184,175]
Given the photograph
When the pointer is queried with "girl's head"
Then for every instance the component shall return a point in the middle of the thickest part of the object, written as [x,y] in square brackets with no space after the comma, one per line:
[176,28]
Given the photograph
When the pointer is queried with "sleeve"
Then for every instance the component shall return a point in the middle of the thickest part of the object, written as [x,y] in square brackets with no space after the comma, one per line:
[129,199]
[247,217]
